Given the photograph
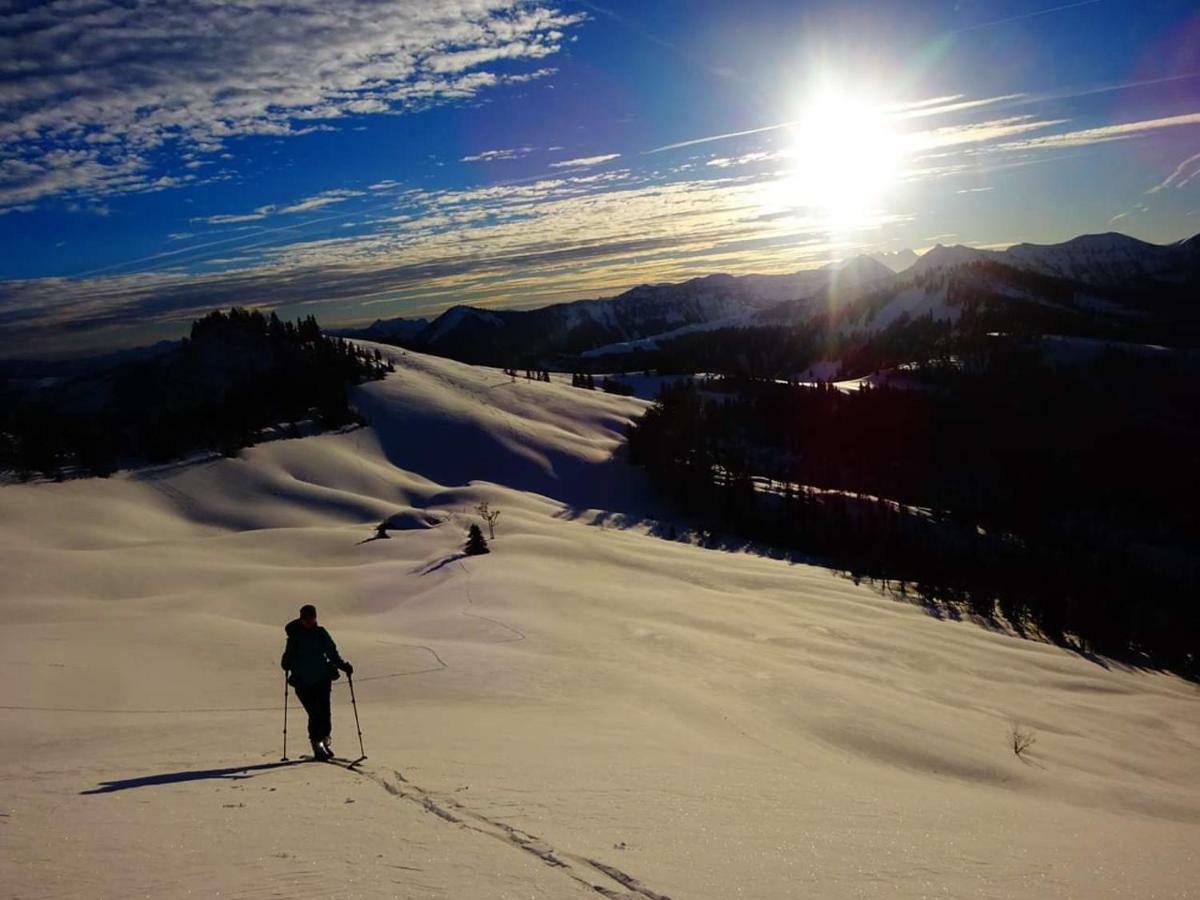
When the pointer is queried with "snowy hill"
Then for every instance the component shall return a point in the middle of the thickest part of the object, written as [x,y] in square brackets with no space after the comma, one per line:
[588,709]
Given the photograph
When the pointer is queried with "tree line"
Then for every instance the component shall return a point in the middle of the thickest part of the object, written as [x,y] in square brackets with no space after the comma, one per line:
[236,374]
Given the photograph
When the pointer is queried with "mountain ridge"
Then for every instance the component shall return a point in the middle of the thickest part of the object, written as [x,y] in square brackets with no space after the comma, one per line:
[1103,271]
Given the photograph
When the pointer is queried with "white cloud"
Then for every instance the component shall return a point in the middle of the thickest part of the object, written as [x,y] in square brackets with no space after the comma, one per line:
[91,92]
[979,132]
[231,218]
[491,155]
[725,162]
[584,161]
[325,198]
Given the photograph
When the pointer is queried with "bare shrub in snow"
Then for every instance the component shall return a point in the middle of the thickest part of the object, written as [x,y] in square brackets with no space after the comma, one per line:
[1022,740]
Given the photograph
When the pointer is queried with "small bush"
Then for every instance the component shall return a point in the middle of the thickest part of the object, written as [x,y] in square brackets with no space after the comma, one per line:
[1022,740]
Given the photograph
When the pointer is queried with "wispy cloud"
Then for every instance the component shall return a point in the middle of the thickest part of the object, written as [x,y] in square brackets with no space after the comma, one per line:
[721,137]
[317,201]
[1029,15]
[953,105]
[978,132]
[934,106]
[1103,133]
[584,161]
[325,198]
[491,155]
[110,89]
[1184,173]
[726,162]
[233,218]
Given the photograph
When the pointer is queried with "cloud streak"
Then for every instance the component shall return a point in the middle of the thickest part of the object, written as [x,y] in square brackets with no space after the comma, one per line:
[1102,134]
[1184,174]
[584,161]
[1029,15]
[492,155]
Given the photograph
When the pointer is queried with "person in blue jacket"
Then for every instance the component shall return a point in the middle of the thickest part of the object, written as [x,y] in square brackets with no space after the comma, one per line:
[312,662]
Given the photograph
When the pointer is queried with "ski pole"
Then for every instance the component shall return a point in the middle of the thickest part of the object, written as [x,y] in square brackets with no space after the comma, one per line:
[284,758]
[361,751]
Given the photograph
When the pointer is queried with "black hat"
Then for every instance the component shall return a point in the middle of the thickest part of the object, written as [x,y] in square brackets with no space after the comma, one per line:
[308,611]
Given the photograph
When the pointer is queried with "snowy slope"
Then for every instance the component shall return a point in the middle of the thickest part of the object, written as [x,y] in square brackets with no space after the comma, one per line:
[588,708]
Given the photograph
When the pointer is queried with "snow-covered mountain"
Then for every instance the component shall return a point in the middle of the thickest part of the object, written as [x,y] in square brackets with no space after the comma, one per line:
[399,330]
[644,312]
[1100,260]
[1111,277]
[897,260]
[1109,274]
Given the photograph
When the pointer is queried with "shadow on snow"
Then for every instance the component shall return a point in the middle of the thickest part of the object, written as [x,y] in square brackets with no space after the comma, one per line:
[235,773]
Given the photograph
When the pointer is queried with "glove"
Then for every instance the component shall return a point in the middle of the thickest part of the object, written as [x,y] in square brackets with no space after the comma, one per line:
[347,668]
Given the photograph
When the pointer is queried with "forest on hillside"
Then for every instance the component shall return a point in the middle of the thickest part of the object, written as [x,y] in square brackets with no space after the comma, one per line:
[235,375]
[1060,499]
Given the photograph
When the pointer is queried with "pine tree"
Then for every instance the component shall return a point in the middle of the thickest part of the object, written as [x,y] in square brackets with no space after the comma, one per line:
[476,542]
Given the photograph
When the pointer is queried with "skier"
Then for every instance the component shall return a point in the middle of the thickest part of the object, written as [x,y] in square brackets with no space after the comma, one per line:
[311,658]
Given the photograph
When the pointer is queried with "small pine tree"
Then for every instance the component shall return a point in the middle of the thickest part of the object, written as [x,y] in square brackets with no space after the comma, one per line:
[476,542]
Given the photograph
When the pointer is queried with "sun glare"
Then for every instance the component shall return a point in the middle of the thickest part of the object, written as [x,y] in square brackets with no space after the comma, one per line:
[846,154]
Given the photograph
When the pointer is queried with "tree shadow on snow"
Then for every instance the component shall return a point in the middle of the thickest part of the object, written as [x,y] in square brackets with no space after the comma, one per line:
[441,563]
[236,773]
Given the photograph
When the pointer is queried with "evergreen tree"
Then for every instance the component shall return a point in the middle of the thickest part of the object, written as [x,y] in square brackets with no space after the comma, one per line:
[476,542]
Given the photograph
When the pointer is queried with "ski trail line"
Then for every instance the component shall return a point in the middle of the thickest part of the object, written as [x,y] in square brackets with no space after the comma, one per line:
[580,869]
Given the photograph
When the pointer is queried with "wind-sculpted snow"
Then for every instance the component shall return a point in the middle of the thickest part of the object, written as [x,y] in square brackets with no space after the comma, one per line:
[586,710]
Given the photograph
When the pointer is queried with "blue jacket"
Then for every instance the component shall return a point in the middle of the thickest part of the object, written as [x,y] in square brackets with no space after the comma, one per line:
[310,655]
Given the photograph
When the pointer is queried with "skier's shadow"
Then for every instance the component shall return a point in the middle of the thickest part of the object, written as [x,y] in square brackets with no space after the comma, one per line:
[236,773]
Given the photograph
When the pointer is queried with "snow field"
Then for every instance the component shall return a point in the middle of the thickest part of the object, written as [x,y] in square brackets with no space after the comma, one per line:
[584,708]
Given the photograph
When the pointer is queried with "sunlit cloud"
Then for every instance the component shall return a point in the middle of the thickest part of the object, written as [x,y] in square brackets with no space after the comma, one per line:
[953,105]
[1104,133]
[556,238]
[934,106]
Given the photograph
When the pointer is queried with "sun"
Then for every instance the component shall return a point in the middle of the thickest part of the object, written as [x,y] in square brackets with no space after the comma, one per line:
[846,155]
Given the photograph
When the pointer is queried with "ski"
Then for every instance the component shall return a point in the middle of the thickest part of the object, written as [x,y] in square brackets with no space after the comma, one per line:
[336,760]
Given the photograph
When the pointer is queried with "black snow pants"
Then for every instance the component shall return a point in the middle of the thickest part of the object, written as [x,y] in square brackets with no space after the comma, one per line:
[315,699]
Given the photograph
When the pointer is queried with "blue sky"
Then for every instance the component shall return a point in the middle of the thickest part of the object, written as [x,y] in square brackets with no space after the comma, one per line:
[361,159]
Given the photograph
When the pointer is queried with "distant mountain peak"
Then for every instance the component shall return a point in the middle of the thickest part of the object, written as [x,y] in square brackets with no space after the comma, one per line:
[897,260]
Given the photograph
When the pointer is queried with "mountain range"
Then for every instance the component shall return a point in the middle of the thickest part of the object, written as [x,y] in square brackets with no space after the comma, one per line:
[1112,278]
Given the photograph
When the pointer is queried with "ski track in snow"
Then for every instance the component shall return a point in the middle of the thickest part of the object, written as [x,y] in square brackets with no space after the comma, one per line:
[453,812]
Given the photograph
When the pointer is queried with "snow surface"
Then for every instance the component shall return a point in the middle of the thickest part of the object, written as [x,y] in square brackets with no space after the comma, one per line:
[586,708]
